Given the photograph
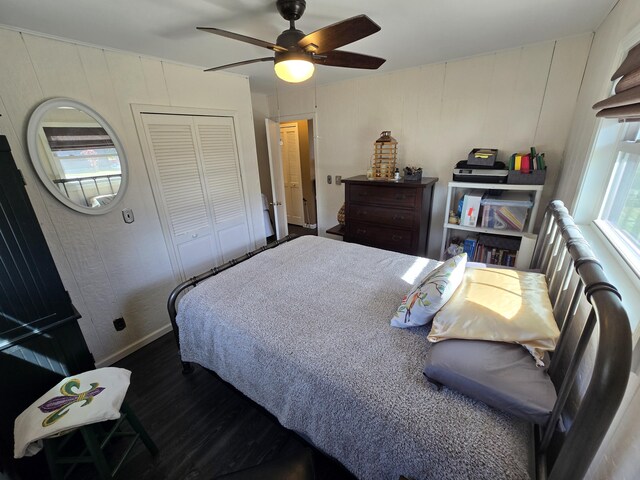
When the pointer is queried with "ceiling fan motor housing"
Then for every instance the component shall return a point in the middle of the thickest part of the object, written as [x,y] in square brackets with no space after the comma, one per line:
[291,9]
[289,39]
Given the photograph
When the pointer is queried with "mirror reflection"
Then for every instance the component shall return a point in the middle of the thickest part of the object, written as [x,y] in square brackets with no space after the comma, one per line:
[79,157]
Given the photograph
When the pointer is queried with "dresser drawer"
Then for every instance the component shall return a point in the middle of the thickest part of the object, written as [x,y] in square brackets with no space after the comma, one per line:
[383,195]
[378,236]
[392,217]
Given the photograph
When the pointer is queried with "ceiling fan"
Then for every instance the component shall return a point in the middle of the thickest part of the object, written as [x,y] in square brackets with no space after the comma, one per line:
[296,53]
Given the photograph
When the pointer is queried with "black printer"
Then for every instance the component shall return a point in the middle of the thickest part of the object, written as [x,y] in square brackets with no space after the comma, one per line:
[481,167]
[496,173]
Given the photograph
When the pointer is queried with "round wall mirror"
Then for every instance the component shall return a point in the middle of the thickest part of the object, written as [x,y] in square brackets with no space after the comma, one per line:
[77,155]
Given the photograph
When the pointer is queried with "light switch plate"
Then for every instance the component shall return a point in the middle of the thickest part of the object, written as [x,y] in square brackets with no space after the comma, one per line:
[329,179]
[127,215]
[338,179]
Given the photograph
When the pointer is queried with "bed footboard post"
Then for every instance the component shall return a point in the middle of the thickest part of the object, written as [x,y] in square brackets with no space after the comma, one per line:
[187,368]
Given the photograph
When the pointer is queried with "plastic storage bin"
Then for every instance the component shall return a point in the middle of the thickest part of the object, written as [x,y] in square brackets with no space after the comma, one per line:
[507,212]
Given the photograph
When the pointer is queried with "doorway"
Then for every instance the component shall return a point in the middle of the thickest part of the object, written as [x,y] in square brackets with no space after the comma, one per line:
[293,177]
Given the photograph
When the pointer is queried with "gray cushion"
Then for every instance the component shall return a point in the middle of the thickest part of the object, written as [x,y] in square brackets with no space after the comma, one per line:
[501,375]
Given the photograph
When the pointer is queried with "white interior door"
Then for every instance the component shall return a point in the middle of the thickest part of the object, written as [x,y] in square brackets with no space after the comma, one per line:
[292,173]
[277,178]
[223,184]
[195,176]
[179,192]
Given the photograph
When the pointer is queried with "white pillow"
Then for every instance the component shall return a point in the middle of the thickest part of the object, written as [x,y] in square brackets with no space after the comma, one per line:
[424,300]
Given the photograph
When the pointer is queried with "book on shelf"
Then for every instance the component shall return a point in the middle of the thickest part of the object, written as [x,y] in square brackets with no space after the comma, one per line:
[526,162]
[494,250]
[469,247]
[495,256]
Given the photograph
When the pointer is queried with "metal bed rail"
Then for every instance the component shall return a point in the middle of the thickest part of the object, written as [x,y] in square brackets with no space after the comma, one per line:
[560,250]
[172,302]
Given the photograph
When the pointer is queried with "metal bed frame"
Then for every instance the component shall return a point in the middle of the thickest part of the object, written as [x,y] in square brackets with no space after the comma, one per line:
[192,282]
[561,253]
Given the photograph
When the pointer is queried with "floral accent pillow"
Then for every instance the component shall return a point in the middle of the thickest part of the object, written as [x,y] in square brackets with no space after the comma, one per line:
[420,305]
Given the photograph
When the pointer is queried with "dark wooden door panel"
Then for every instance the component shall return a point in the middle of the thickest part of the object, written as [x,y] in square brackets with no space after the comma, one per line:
[40,339]
[33,296]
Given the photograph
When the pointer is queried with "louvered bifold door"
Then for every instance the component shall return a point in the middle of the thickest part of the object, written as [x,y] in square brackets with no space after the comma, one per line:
[177,180]
[223,184]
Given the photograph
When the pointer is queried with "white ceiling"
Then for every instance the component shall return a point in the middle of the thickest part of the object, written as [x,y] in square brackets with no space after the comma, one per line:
[414,32]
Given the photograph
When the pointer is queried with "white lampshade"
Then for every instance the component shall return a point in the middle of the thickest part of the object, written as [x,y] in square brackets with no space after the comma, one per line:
[295,70]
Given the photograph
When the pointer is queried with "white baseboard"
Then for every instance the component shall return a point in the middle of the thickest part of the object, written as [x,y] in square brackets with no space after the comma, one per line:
[113,358]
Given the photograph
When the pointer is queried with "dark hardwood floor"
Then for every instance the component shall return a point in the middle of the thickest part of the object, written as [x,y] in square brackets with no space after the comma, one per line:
[202,426]
[298,230]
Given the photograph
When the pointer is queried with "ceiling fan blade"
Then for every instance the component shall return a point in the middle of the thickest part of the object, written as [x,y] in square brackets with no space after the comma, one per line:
[339,34]
[237,64]
[243,38]
[340,58]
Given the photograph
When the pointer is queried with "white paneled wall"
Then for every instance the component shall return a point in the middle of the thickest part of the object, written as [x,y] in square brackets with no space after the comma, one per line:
[110,268]
[509,100]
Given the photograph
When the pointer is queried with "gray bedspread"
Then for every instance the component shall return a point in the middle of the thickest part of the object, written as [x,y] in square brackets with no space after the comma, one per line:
[304,331]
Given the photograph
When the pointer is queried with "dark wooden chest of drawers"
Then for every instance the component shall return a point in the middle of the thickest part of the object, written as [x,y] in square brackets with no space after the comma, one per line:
[389,215]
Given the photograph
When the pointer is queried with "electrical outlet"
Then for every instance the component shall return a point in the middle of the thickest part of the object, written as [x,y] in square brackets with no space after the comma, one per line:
[338,179]
[119,324]
[127,215]
[329,179]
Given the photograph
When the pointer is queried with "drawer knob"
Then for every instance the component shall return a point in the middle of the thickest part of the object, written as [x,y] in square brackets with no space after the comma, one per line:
[398,217]
[396,238]
[361,231]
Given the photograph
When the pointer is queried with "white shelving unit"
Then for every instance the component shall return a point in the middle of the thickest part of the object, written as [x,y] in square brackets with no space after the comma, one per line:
[528,241]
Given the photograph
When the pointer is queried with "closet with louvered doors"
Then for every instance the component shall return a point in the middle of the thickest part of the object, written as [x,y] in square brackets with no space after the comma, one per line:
[194,170]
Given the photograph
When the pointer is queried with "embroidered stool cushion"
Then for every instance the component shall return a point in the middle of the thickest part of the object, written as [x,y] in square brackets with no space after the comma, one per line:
[89,397]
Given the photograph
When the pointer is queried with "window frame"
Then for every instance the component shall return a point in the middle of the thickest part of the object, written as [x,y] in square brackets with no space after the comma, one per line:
[590,198]
[629,254]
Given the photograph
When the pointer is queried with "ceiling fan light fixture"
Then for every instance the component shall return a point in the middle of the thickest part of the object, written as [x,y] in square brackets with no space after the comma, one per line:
[296,53]
[293,68]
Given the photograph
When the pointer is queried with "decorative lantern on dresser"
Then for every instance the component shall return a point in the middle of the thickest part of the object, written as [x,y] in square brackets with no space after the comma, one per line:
[40,340]
[385,155]
[392,215]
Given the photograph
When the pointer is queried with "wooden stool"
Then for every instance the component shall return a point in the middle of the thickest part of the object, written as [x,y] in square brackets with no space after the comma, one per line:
[95,441]
[298,467]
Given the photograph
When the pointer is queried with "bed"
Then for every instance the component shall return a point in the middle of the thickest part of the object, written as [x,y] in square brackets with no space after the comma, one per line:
[303,330]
